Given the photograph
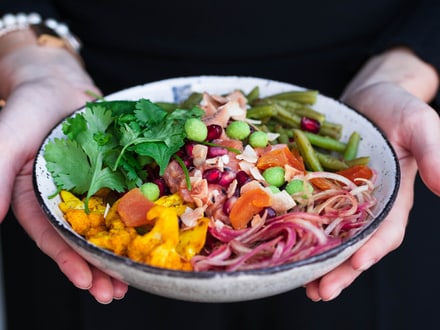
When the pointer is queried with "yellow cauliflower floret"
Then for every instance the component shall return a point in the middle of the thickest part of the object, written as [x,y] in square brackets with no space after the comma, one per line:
[115,240]
[70,201]
[172,201]
[83,223]
[166,256]
[192,240]
[158,246]
[164,245]
[97,204]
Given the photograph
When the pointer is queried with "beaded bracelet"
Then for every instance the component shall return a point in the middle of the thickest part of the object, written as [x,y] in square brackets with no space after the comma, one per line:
[48,32]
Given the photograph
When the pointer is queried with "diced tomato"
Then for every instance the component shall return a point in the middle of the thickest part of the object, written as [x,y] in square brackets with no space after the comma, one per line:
[280,157]
[247,205]
[133,208]
[357,171]
[323,183]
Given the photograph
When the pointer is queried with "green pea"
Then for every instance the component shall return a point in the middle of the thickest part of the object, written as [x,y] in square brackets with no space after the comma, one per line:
[295,186]
[238,130]
[258,139]
[274,176]
[298,185]
[274,190]
[196,129]
[151,191]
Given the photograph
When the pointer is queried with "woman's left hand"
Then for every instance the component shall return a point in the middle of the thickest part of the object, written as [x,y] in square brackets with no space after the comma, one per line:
[392,90]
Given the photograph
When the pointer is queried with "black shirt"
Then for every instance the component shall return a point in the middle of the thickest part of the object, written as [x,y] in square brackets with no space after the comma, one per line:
[316,44]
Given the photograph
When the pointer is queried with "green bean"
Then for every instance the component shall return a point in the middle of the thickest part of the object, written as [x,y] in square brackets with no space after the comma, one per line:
[292,107]
[300,110]
[283,138]
[167,106]
[191,101]
[331,129]
[351,150]
[253,95]
[325,142]
[306,150]
[327,128]
[303,97]
[308,112]
[330,162]
[287,118]
[358,161]
[261,111]
[290,113]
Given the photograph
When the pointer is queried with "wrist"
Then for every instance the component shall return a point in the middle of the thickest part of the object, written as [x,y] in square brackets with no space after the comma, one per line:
[412,73]
[26,42]
[27,29]
[15,40]
[402,67]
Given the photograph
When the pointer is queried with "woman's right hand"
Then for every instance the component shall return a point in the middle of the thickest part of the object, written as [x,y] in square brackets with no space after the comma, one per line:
[42,85]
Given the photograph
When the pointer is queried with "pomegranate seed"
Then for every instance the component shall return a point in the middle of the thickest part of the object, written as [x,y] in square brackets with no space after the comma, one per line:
[214,132]
[310,125]
[242,178]
[162,186]
[212,175]
[188,163]
[227,205]
[227,177]
[189,149]
[181,153]
[270,212]
[216,152]
[152,172]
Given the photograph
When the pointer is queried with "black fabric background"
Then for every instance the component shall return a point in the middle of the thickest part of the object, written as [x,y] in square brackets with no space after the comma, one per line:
[399,293]
[319,49]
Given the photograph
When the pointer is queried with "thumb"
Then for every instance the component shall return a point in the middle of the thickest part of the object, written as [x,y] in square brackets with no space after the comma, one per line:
[426,147]
[8,171]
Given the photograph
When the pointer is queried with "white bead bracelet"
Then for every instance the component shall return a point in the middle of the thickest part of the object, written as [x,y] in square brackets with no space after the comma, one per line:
[47,32]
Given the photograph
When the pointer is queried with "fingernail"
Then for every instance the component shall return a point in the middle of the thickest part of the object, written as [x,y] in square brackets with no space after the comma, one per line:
[119,296]
[336,293]
[367,264]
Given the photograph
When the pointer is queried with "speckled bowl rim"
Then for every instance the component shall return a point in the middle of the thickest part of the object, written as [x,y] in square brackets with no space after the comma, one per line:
[328,254]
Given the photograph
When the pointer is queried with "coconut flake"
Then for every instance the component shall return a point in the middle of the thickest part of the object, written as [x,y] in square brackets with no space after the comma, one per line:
[235,111]
[225,159]
[231,188]
[255,172]
[218,224]
[272,136]
[291,173]
[249,154]
[281,201]
[250,186]
[199,154]
[191,216]
[107,209]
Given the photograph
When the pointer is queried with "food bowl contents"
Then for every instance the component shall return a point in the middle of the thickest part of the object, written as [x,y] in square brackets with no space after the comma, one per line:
[214,183]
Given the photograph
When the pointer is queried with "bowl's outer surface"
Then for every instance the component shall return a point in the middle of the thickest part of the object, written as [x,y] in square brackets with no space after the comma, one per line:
[237,286]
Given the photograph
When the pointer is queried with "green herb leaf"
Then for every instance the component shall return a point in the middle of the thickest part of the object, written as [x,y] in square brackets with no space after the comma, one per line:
[107,144]
[76,164]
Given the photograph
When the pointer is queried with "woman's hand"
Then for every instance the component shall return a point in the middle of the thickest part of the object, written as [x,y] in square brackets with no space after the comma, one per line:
[392,90]
[41,86]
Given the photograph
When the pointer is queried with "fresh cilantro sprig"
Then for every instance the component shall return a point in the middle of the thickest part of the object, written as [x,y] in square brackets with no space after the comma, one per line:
[106,145]
[77,162]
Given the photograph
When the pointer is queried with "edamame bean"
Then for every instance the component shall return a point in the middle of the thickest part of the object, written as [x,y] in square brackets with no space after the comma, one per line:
[196,129]
[238,130]
[274,176]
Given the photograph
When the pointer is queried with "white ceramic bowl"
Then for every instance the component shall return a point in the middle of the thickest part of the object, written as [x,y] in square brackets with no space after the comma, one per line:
[240,285]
